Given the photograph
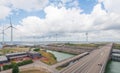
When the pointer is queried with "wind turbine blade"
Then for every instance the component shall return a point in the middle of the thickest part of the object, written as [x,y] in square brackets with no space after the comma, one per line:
[10,22]
[14,28]
[7,28]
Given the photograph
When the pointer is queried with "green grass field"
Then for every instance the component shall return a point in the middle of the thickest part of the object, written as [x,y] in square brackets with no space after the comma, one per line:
[33,71]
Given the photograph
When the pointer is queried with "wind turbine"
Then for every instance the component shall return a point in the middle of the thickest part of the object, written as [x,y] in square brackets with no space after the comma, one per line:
[86,36]
[11,28]
[3,34]
[56,37]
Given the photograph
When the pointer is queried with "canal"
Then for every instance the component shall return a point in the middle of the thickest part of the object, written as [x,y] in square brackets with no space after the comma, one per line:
[113,67]
[60,55]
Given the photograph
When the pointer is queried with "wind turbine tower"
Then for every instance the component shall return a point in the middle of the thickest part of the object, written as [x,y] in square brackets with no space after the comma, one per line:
[3,33]
[11,28]
[86,36]
[56,37]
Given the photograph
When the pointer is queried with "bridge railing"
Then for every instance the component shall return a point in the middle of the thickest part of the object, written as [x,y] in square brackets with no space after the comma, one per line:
[103,67]
[105,62]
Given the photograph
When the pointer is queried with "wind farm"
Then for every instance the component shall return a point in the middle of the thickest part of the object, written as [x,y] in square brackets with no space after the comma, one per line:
[59,36]
[45,53]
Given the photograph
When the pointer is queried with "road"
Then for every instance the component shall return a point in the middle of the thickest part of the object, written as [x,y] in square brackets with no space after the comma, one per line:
[91,63]
[71,59]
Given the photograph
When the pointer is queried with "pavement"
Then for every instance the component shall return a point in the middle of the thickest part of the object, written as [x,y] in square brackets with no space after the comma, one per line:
[36,65]
[92,63]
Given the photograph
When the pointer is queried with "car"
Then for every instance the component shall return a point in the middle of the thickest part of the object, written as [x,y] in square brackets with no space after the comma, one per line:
[100,64]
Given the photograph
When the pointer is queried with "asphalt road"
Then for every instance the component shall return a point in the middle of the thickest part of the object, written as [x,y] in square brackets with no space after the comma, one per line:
[91,63]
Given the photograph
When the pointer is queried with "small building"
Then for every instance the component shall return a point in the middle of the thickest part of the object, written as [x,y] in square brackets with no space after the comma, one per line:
[3,59]
[34,55]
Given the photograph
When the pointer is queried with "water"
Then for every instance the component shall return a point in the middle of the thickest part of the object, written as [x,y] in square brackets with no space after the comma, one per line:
[60,55]
[113,67]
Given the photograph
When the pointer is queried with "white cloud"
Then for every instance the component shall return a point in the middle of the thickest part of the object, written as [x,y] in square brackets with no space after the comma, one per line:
[5,11]
[65,1]
[7,6]
[4,2]
[112,5]
[29,5]
[100,1]
[100,24]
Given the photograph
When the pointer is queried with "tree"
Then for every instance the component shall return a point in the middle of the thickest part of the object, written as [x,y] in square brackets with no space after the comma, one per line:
[15,68]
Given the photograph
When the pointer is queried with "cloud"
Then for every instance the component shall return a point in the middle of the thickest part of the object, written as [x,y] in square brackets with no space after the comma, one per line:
[56,20]
[5,11]
[100,1]
[29,5]
[101,24]
[62,21]
[112,6]
[65,3]
[8,6]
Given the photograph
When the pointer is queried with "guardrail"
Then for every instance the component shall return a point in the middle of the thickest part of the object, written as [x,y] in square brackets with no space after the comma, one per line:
[105,62]
[104,66]
[71,59]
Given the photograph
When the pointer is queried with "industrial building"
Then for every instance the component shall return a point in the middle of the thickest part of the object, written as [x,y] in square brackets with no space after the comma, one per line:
[19,56]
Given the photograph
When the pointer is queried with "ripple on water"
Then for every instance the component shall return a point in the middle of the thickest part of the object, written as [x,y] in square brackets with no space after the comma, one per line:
[113,67]
[60,55]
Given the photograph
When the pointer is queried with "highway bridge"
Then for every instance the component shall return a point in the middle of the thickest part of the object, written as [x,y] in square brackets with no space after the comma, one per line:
[95,62]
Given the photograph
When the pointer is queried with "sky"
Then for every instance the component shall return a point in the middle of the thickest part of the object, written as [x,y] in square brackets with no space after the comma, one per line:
[66,20]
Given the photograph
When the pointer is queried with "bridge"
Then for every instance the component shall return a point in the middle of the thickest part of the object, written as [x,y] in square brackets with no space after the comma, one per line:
[95,62]
[66,62]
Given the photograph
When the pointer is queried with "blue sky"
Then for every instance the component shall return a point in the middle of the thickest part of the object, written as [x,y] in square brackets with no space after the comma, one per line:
[63,17]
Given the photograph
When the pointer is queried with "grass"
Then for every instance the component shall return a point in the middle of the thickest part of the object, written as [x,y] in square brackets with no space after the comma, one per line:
[33,71]
[59,68]
[116,46]
[49,58]
[13,49]
[82,45]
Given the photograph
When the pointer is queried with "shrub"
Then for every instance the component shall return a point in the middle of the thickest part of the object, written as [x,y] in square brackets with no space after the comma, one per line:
[25,62]
[5,67]
[36,49]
